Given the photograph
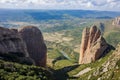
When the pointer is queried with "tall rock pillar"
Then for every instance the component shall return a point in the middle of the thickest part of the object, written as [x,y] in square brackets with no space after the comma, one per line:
[93,45]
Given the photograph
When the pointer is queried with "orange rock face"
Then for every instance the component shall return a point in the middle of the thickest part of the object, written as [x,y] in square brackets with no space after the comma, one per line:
[35,44]
[92,45]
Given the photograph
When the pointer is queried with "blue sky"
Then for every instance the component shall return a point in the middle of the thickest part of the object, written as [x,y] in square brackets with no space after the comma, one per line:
[106,5]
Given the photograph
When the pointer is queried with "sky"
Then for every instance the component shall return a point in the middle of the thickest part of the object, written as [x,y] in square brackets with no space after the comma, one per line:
[104,5]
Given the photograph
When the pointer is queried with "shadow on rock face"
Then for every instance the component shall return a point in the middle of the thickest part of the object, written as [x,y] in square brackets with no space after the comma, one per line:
[35,44]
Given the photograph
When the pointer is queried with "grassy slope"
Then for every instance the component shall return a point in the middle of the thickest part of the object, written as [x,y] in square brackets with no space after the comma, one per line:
[93,66]
[68,70]
[64,69]
[109,68]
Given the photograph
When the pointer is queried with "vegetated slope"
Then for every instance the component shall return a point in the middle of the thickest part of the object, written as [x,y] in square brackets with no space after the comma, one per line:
[15,71]
[67,70]
[107,68]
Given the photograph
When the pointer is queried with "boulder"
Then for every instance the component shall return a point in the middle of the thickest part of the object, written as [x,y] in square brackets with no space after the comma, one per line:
[35,44]
[93,45]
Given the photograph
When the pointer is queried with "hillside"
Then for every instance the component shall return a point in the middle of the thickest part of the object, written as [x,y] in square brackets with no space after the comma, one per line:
[15,71]
[107,68]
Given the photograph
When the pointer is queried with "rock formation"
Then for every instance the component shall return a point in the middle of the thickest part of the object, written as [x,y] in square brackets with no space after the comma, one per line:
[93,45]
[109,67]
[113,60]
[35,44]
[12,47]
[11,42]
[116,21]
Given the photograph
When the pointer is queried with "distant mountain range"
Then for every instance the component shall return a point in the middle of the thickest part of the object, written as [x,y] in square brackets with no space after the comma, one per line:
[36,15]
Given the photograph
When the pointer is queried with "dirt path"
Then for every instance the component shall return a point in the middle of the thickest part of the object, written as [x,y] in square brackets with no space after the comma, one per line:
[82,72]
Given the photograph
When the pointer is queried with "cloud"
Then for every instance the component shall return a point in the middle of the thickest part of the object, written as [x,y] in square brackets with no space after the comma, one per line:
[62,4]
[99,2]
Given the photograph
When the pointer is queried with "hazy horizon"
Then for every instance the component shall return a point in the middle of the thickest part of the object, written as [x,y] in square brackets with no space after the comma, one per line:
[99,5]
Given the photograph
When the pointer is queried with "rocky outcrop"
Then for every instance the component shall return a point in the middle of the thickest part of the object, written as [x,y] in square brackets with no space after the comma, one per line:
[35,44]
[116,21]
[113,60]
[93,45]
[11,42]
[110,67]
[12,47]
[22,45]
